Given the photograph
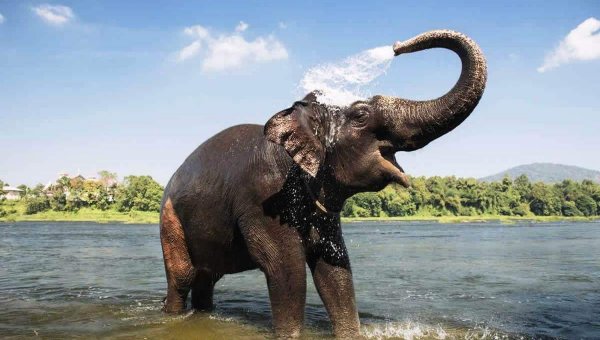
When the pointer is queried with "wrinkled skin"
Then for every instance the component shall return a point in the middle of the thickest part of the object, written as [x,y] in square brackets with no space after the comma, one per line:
[269,197]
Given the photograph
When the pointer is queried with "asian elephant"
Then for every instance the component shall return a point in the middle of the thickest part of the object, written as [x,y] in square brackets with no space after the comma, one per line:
[269,197]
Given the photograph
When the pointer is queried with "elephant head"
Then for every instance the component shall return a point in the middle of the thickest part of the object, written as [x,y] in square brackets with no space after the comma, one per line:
[354,146]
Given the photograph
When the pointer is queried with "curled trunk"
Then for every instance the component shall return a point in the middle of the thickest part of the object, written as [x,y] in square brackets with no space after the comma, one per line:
[413,124]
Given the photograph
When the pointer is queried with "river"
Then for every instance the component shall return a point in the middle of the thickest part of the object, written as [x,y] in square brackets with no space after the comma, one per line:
[413,280]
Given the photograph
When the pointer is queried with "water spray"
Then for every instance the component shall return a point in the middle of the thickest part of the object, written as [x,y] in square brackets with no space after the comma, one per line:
[344,82]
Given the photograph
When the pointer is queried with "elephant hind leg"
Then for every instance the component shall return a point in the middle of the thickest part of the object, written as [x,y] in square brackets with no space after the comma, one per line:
[202,291]
[178,265]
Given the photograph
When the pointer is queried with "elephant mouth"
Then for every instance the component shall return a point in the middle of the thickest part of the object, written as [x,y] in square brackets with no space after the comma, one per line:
[393,170]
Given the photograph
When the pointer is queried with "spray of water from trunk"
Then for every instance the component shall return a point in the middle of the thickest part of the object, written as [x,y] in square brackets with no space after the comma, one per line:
[344,82]
[411,124]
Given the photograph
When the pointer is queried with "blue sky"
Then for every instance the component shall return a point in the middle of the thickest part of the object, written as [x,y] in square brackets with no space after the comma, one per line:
[92,85]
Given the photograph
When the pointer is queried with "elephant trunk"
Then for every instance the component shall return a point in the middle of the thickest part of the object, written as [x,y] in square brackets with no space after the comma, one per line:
[413,124]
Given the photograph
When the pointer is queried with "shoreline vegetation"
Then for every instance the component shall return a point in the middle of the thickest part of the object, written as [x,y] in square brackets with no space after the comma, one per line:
[84,215]
[136,199]
[151,217]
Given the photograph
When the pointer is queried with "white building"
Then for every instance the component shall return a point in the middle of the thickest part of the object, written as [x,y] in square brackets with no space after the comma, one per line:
[11,193]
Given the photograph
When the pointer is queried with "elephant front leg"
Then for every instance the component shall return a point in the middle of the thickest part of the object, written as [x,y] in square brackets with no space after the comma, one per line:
[279,253]
[333,280]
[287,292]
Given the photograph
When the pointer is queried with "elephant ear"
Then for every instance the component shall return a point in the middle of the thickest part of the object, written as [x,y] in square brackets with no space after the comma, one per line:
[294,129]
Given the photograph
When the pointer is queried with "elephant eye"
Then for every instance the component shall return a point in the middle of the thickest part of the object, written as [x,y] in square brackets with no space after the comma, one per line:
[359,118]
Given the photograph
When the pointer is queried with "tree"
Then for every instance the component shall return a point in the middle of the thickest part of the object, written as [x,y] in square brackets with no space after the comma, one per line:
[592,190]
[419,193]
[570,209]
[37,190]
[510,202]
[442,198]
[2,212]
[434,196]
[139,193]
[439,196]
[586,205]
[370,202]
[402,205]
[35,205]
[544,200]
[107,178]
[577,198]
[396,201]
[472,196]
[365,204]
[25,191]
[523,187]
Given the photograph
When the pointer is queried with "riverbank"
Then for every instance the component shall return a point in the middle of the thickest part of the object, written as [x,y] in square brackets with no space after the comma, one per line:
[474,219]
[16,213]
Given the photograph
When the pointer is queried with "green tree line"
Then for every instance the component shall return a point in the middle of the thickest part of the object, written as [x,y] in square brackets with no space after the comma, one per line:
[451,196]
[141,193]
[432,196]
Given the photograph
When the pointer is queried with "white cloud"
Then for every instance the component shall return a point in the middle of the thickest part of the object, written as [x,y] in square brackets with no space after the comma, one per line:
[54,14]
[241,27]
[233,51]
[189,51]
[221,52]
[1,18]
[582,43]
[196,31]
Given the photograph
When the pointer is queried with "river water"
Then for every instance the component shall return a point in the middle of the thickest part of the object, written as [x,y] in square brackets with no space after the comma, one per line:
[413,280]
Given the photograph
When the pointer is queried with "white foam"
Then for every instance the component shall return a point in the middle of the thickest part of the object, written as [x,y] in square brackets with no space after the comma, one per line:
[346,81]
[221,318]
[406,330]
[412,330]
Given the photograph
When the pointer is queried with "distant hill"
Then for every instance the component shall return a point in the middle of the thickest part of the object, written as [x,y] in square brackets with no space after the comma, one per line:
[547,172]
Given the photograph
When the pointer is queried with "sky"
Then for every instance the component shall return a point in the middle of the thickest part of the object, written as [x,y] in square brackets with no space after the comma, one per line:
[134,87]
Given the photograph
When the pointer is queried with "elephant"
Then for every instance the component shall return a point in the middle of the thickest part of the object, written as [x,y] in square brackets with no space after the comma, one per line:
[269,197]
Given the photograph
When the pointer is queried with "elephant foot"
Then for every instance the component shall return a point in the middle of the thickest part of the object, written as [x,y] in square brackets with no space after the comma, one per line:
[174,302]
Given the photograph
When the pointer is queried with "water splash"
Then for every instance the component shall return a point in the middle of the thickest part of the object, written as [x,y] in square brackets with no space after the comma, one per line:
[346,81]
[413,330]
[408,330]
